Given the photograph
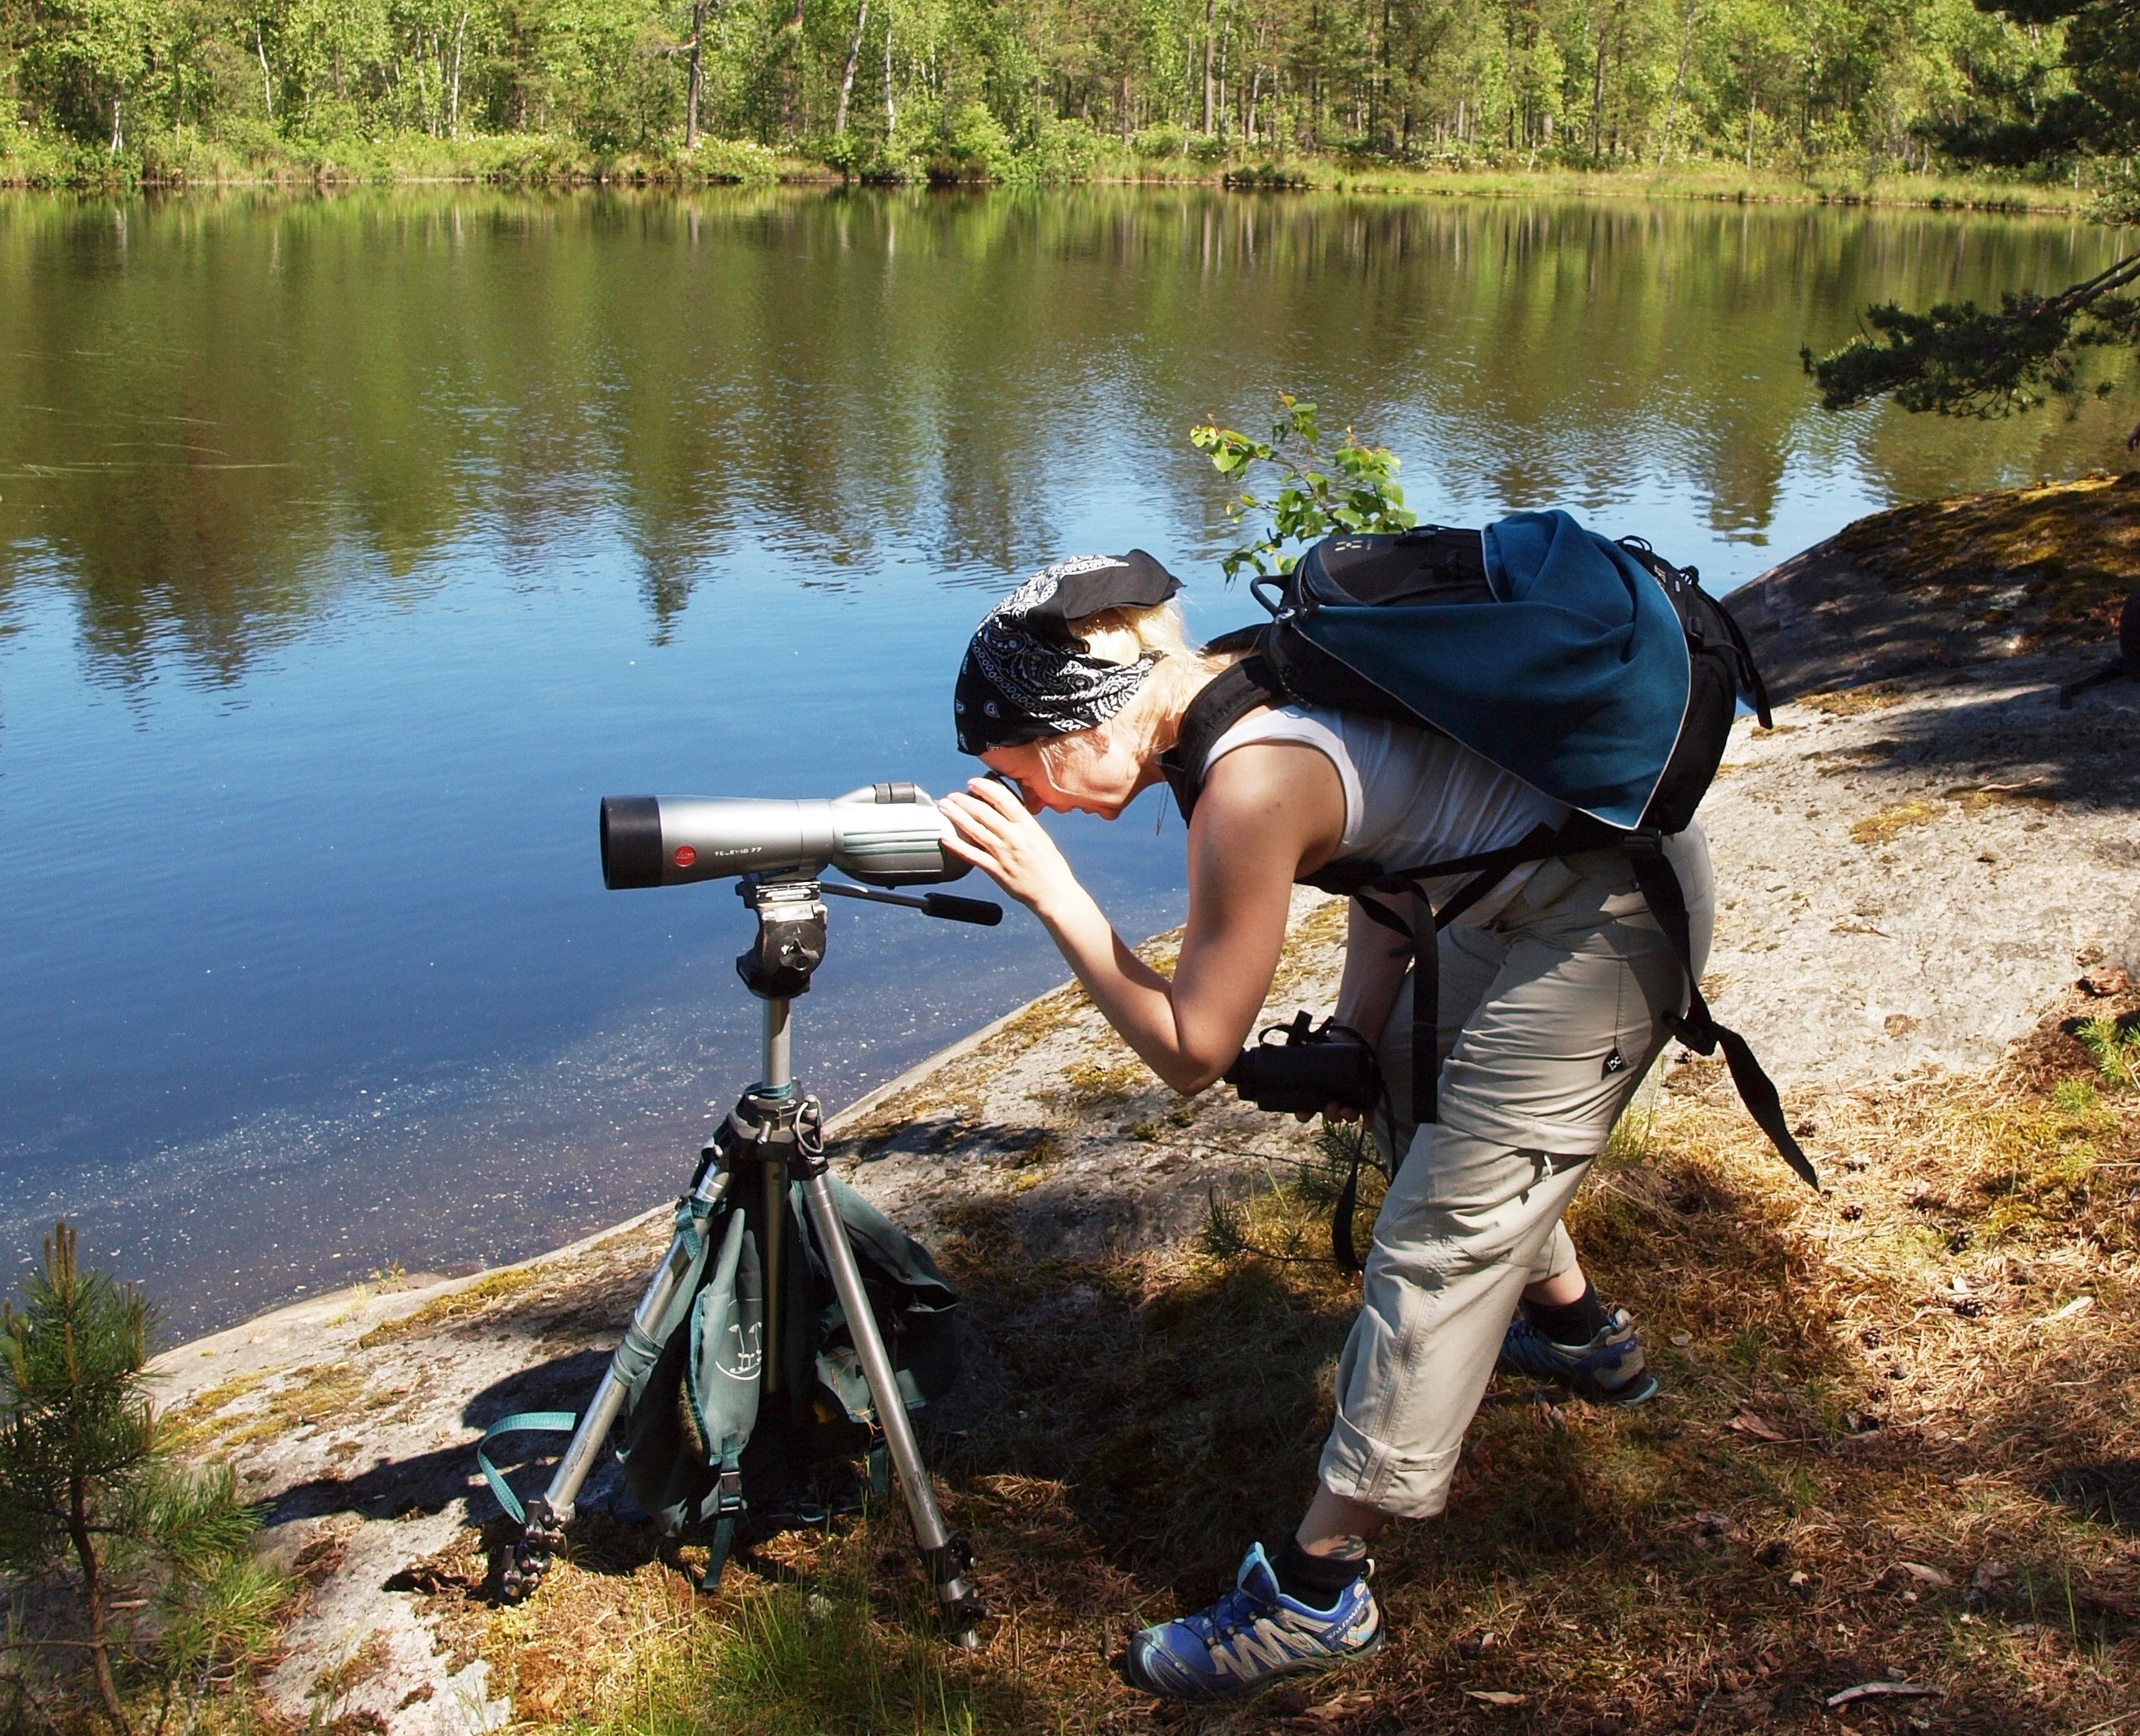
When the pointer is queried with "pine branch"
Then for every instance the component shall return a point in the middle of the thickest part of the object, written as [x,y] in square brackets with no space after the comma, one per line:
[1962,360]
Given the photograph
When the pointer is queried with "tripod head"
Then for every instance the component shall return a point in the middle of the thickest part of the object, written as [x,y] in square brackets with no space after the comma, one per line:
[791,927]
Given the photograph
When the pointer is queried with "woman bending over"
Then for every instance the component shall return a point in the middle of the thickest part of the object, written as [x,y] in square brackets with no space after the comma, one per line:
[1553,990]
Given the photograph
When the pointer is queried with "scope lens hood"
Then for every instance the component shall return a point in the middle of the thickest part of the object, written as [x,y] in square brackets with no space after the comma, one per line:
[630,842]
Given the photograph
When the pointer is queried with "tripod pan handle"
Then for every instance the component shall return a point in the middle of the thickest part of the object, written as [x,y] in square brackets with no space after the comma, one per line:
[977,911]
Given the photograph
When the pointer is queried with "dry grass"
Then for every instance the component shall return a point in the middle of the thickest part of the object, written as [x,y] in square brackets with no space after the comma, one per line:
[1850,702]
[185,1428]
[1900,1437]
[486,1293]
[1879,828]
[2055,564]
[221,1418]
[1972,798]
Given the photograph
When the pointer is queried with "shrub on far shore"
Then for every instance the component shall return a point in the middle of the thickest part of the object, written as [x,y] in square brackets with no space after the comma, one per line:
[253,154]
[962,144]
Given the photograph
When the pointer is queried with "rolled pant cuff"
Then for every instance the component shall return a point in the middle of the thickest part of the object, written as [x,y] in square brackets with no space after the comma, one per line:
[1404,1486]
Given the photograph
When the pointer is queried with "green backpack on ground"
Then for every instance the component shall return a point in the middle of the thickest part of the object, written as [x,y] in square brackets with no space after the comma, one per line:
[701,1437]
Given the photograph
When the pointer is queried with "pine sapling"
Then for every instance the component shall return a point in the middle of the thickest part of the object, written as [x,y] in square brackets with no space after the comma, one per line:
[92,1499]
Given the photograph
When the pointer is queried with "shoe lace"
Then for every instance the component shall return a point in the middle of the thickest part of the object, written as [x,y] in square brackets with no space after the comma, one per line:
[1234,1614]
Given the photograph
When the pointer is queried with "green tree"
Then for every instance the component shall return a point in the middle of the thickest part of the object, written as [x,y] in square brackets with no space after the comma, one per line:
[2028,119]
[1354,489]
[1961,359]
[92,1499]
[88,59]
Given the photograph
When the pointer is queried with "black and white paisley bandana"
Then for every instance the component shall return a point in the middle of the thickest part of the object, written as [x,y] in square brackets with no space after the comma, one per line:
[1027,675]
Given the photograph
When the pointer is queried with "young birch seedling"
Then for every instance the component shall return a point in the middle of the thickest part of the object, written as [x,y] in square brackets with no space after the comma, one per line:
[1353,489]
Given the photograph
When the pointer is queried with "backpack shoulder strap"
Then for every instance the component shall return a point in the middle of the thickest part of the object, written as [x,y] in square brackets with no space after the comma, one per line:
[1661,889]
[1698,1030]
[1228,697]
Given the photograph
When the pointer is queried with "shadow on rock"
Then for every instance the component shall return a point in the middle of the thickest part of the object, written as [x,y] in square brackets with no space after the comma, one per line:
[427,1482]
[2081,755]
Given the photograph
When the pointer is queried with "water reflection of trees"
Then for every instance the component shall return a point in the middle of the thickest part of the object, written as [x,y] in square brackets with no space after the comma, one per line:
[231,415]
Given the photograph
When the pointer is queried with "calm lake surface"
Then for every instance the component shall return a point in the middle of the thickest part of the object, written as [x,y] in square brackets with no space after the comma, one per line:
[351,549]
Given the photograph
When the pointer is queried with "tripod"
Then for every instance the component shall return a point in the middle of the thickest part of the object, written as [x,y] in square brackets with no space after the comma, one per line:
[773,1137]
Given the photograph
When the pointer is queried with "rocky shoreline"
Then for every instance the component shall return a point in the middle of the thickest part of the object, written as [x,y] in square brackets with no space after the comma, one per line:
[1915,864]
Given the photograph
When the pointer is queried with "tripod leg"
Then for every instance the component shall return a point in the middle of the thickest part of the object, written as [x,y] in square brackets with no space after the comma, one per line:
[772,1256]
[550,1514]
[944,1555]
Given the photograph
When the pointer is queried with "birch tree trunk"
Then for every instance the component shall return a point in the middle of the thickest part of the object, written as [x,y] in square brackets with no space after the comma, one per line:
[454,101]
[1679,84]
[848,71]
[1598,97]
[1208,7]
[697,84]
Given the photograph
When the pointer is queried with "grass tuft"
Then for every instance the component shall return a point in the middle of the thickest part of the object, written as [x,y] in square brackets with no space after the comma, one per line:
[2115,1045]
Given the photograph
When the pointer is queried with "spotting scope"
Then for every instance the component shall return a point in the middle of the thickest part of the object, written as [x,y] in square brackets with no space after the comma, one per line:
[883,834]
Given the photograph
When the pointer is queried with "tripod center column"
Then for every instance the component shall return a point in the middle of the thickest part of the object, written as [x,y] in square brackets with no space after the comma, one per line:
[779,1052]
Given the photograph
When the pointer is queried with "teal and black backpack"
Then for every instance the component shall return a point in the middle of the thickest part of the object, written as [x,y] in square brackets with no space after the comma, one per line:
[1595,670]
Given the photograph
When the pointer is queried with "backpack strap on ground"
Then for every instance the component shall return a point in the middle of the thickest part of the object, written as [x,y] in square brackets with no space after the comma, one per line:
[725,1506]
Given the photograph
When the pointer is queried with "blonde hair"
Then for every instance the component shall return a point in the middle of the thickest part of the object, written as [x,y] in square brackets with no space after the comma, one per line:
[1179,673]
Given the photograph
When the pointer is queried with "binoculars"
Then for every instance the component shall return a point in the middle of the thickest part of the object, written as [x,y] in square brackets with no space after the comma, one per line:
[1313,1067]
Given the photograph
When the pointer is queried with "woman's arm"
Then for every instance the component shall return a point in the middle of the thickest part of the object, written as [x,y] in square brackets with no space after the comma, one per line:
[1376,959]
[1269,811]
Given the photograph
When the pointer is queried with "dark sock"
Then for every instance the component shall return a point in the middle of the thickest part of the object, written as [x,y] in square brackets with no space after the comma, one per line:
[1571,1323]
[1317,1581]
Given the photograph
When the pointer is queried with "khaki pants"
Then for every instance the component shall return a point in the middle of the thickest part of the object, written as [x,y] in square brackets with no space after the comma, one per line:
[1549,1018]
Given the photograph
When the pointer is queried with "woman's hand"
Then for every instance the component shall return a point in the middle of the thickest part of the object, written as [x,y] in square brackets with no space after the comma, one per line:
[1269,810]
[990,828]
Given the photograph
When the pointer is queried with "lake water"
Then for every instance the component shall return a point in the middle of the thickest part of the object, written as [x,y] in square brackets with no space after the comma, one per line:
[350,548]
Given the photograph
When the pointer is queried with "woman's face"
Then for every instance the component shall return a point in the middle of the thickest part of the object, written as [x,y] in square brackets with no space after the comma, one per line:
[1093,773]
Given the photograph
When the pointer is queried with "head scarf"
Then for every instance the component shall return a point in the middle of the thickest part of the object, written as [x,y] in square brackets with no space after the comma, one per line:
[1027,675]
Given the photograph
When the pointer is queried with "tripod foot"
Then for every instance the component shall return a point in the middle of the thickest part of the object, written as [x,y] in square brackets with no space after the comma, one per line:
[958,1603]
[540,1540]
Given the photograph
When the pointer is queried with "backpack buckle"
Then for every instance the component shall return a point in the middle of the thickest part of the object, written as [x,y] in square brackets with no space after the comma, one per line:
[728,1495]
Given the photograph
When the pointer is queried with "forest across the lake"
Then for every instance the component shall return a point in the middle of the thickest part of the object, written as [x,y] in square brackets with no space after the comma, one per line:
[2033,94]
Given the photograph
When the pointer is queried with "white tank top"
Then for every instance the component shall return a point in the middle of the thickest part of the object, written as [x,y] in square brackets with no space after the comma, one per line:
[1412,796]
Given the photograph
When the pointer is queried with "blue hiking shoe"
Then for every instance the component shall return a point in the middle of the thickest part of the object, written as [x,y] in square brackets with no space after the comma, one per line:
[1607,1370]
[1251,1637]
